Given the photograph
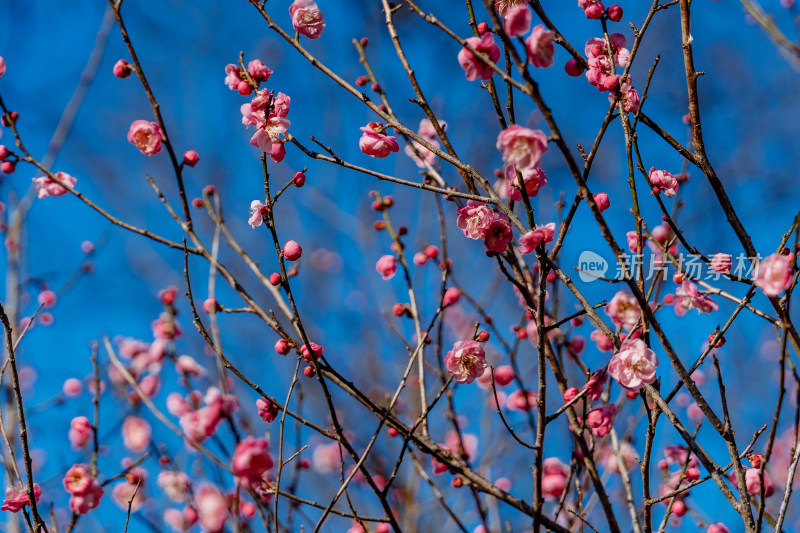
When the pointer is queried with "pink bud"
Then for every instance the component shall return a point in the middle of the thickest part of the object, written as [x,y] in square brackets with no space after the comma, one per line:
[602,201]
[451,296]
[309,371]
[275,279]
[420,258]
[483,336]
[190,158]
[362,80]
[211,305]
[573,68]
[398,310]
[610,82]
[594,10]
[292,251]
[3,152]
[678,508]
[364,41]
[614,12]
[692,474]
[7,167]
[299,179]
[198,202]
[122,69]
[47,298]
[483,28]
[570,394]
[432,252]
[244,88]
[282,346]
[72,387]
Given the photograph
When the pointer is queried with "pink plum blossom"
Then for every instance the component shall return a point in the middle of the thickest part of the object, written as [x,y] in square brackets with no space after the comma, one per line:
[664,181]
[602,201]
[474,219]
[518,21]
[466,361]
[212,508]
[257,213]
[554,478]
[267,410]
[601,420]
[774,274]
[16,500]
[47,186]
[136,434]
[176,485]
[534,179]
[634,365]
[387,266]
[474,67]
[498,235]
[79,432]
[146,136]
[251,460]
[540,47]
[721,263]
[307,18]
[719,527]
[521,147]
[375,143]
[623,309]
[522,401]
[687,297]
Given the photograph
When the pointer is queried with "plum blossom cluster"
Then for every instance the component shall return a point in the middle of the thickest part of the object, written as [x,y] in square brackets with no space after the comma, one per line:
[602,58]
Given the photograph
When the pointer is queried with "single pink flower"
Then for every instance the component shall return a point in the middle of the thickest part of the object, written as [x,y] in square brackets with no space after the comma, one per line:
[251,460]
[176,485]
[601,420]
[474,67]
[233,76]
[602,201]
[634,365]
[267,410]
[593,9]
[541,47]
[518,21]
[554,478]
[687,297]
[375,143]
[292,251]
[522,401]
[664,181]
[72,387]
[387,266]
[604,344]
[88,499]
[79,432]
[77,479]
[529,241]
[474,219]
[16,500]
[186,365]
[596,383]
[522,147]
[623,309]
[629,98]
[212,508]
[125,492]
[466,361]
[774,274]
[258,70]
[498,235]
[146,136]
[307,18]
[534,179]
[257,213]
[136,434]
[721,263]
[46,186]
